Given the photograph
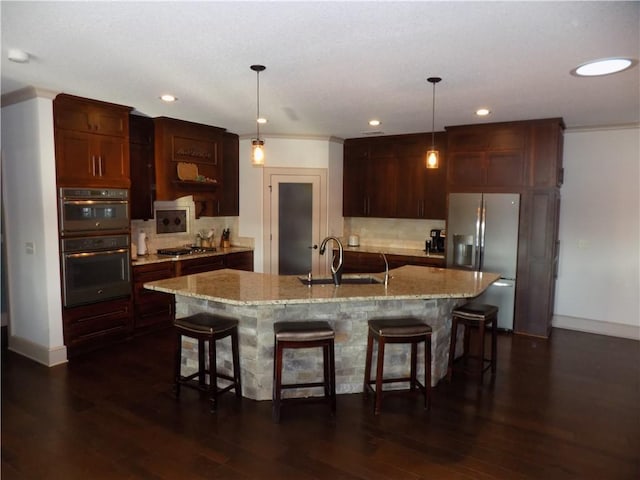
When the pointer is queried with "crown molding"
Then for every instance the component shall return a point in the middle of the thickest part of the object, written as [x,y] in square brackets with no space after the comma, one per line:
[24,94]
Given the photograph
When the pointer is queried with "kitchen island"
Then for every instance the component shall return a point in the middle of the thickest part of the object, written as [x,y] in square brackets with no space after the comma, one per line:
[258,300]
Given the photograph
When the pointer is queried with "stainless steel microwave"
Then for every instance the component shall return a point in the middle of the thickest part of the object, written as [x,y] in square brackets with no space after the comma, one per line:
[86,211]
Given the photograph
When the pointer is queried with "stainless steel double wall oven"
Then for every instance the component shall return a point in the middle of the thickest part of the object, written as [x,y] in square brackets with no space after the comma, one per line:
[94,245]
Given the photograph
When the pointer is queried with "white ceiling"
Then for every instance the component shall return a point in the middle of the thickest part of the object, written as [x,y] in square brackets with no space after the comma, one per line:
[331,66]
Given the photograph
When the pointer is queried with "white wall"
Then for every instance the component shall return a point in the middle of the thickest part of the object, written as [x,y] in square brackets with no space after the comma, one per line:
[598,286]
[29,202]
[284,152]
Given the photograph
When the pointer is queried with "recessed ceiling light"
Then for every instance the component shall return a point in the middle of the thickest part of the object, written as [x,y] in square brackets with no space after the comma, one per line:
[604,66]
[261,120]
[168,98]
[483,112]
[374,123]
[17,55]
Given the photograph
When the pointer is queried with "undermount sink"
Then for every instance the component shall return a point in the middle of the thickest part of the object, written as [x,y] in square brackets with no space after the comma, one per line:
[350,279]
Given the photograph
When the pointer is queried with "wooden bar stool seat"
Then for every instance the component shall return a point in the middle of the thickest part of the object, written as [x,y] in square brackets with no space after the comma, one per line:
[480,317]
[398,330]
[304,334]
[206,327]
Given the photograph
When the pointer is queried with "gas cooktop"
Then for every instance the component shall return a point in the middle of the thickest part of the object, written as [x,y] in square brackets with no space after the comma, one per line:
[179,251]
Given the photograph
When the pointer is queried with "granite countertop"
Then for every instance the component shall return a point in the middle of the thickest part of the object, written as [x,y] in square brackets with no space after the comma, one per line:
[249,288]
[154,258]
[409,252]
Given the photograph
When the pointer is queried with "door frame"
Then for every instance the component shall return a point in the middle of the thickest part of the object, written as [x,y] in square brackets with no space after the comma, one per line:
[270,212]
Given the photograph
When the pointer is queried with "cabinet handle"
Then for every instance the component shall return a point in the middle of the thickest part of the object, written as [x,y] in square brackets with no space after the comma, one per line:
[93,164]
[100,165]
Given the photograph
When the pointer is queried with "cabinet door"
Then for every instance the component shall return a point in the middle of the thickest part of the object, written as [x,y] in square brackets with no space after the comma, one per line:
[75,163]
[152,309]
[382,186]
[356,156]
[240,261]
[466,169]
[229,203]
[88,160]
[411,192]
[142,167]
[112,159]
[199,265]
[90,116]
[92,326]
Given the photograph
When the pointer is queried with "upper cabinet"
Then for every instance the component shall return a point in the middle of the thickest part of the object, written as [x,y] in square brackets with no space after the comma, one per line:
[189,161]
[141,153]
[505,156]
[91,142]
[386,177]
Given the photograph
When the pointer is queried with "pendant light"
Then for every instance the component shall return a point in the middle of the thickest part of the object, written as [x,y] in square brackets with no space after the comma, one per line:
[433,157]
[257,145]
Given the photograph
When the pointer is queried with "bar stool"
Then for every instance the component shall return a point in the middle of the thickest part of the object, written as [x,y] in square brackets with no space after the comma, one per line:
[206,327]
[478,316]
[304,334]
[398,330]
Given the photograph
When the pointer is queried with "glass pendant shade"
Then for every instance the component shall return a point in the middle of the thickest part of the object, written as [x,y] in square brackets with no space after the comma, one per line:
[432,159]
[257,145]
[257,153]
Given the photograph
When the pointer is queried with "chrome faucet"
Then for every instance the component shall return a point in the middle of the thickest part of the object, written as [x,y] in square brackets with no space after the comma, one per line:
[336,271]
[386,269]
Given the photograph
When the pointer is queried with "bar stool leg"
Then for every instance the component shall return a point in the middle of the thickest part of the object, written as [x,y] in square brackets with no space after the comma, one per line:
[332,375]
[178,361]
[452,347]
[414,365]
[201,369]
[427,372]
[379,375]
[494,346]
[213,375]
[277,382]
[235,351]
[367,365]
[481,354]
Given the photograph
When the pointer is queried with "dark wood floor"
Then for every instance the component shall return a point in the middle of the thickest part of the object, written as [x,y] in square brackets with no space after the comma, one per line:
[567,408]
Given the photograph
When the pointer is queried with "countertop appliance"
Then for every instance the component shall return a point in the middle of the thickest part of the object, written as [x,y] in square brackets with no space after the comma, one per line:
[438,240]
[187,250]
[483,236]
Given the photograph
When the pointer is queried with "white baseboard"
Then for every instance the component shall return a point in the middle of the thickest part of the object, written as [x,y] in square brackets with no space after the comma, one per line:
[49,357]
[595,326]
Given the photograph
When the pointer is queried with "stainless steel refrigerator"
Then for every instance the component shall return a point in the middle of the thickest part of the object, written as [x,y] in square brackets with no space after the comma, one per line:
[482,235]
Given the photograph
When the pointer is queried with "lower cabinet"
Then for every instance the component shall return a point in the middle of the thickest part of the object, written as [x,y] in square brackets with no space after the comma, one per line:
[152,309]
[88,327]
[366,262]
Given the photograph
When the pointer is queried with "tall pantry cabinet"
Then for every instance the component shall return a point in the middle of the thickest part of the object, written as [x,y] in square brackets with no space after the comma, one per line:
[518,157]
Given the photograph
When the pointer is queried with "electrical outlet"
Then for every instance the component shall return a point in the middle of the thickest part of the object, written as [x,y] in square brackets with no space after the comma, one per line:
[582,243]
[29,248]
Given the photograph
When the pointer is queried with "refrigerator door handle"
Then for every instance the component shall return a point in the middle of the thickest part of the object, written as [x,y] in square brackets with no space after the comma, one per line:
[481,230]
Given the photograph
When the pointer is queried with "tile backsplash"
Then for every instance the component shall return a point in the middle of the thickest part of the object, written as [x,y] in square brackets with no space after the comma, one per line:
[391,232]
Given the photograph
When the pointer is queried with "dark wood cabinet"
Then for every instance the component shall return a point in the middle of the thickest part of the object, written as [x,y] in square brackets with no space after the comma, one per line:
[178,141]
[141,154]
[199,265]
[239,261]
[367,262]
[229,198]
[518,157]
[489,155]
[88,327]
[91,142]
[152,309]
[386,177]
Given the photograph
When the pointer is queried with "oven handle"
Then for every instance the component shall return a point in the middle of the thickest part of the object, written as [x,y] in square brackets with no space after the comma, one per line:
[94,202]
[96,252]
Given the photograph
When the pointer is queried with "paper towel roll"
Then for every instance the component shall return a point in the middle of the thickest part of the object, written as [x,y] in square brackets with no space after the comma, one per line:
[142,243]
